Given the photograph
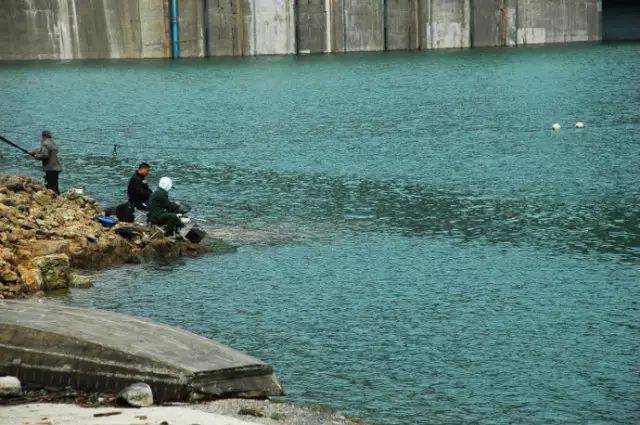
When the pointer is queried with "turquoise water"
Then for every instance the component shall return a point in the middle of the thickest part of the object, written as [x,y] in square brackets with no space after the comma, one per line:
[415,245]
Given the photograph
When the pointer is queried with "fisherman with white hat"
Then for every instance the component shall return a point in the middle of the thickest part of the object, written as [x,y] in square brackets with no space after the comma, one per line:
[163,212]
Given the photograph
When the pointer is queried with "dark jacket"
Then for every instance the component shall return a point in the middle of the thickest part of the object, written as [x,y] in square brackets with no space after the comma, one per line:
[159,204]
[138,191]
[48,154]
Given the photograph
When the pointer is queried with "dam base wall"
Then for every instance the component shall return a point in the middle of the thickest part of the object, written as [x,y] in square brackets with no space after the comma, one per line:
[79,29]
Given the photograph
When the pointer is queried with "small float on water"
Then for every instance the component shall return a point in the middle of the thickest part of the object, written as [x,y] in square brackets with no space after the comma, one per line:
[50,344]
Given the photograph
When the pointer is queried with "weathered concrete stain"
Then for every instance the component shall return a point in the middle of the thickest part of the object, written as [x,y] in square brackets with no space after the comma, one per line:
[402,25]
[68,29]
[311,26]
[557,21]
[364,25]
[230,28]
[274,27]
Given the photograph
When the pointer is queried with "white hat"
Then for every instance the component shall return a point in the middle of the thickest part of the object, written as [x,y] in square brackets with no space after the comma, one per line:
[165,183]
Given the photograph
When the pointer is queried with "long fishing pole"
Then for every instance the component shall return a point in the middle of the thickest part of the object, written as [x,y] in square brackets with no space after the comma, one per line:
[10,143]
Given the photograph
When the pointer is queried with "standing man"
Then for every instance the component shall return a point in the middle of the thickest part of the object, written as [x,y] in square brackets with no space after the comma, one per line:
[138,189]
[48,154]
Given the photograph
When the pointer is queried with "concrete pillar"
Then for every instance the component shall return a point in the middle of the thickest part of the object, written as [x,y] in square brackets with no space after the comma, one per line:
[445,24]
[338,40]
[274,25]
[401,25]
[311,26]
[230,28]
[154,29]
[494,23]
[594,20]
[191,28]
[558,21]
[364,25]
[103,29]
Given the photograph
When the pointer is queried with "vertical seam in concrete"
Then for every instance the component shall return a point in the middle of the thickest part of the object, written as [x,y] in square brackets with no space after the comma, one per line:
[600,23]
[296,27]
[76,34]
[470,23]
[141,50]
[344,27]
[205,28]
[328,26]
[416,17]
[254,24]
[420,22]
[430,42]
[107,26]
[564,21]
[384,24]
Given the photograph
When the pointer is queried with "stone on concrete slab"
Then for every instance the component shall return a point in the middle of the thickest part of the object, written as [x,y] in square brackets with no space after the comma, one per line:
[137,395]
[10,387]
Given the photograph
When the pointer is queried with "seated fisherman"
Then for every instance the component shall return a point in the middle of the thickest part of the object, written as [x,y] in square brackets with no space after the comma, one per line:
[138,189]
[163,212]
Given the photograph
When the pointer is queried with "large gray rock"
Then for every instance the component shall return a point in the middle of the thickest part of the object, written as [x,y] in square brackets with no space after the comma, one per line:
[137,395]
[10,386]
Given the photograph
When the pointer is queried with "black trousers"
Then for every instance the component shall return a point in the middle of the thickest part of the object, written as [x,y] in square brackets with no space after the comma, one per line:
[171,223]
[51,179]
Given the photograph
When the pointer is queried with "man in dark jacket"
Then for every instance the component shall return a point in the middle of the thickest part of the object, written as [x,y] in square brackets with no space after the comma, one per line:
[163,212]
[138,189]
[48,154]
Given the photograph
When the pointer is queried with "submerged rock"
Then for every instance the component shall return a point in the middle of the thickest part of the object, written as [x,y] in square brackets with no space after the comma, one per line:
[137,395]
[80,281]
[10,386]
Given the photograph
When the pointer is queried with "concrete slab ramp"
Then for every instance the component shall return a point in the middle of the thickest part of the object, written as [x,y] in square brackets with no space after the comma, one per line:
[49,344]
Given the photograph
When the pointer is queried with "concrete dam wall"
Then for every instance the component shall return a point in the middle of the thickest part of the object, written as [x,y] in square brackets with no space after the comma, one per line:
[79,29]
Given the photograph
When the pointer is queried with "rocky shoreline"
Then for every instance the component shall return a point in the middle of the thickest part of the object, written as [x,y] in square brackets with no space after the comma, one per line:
[66,405]
[45,239]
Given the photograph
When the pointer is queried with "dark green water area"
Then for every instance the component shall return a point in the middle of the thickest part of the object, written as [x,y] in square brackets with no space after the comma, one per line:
[416,244]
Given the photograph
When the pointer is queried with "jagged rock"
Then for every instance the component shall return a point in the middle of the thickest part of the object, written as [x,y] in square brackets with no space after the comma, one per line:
[7,275]
[55,270]
[48,247]
[7,255]
[137,395]
[35,223]
[14,183]
[80,281]
[10,387]
[32,277]
[43,198]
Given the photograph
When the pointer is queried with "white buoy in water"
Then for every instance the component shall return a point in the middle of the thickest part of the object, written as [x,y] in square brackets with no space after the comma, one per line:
[555,127]
[579,124]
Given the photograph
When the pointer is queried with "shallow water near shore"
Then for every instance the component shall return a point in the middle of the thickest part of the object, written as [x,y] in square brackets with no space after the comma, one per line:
[416,246]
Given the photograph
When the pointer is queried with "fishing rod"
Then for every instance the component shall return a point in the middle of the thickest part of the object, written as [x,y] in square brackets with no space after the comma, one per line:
[10,143]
